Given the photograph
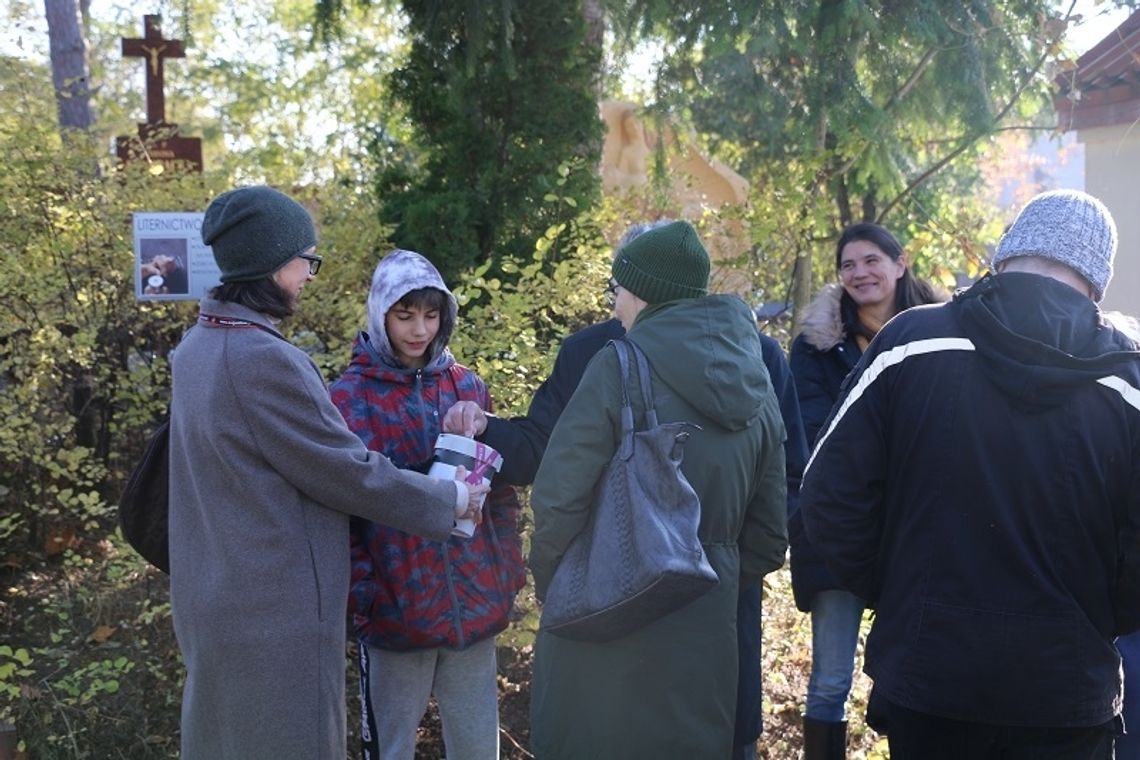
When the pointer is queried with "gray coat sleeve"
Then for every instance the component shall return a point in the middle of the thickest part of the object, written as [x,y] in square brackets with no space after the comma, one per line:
[284,404]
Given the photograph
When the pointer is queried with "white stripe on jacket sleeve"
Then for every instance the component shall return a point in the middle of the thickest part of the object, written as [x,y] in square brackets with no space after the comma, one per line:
[883,362]
[1129,393]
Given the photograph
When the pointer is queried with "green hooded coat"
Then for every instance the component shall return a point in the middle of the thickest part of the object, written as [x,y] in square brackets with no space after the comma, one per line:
[669,689]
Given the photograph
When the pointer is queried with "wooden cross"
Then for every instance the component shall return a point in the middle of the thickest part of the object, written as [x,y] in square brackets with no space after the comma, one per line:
[154,49]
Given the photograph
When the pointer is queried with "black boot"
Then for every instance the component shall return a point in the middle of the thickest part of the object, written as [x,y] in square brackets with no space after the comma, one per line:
[825,740]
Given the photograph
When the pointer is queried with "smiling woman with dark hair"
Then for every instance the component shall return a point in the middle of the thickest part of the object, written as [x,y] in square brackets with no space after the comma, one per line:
[875,284]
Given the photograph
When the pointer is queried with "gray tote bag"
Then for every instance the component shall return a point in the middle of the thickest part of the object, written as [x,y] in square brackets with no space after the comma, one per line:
[638,558]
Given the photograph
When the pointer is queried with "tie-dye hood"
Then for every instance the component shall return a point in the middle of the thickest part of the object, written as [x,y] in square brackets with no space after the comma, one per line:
[397,274]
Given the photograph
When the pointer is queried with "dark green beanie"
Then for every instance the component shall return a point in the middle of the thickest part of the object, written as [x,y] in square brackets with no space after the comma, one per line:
[254,231]
[664,264]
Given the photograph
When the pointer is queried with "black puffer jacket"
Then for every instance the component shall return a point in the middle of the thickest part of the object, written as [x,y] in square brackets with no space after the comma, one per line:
[979,484]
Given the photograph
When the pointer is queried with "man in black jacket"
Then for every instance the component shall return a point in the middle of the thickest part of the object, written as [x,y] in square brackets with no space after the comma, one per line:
[979,483]
[522,441]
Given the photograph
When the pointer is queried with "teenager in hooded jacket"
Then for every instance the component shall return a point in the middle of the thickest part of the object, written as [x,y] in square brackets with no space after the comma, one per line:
[426,612]
[668,689]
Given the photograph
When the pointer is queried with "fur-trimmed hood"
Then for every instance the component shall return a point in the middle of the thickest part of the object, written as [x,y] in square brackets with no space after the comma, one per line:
[822,326]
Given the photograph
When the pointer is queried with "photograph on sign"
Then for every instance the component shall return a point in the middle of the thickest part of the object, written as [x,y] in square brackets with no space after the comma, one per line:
[171,261]
[163,267]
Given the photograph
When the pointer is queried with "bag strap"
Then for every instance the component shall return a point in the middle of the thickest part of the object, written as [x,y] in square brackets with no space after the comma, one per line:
[622,345]
[625,347]
[646,386]
[626,448]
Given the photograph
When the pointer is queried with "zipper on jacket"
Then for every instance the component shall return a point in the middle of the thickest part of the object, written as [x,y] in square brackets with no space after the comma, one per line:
[456,612]
[444,546]
[418,387]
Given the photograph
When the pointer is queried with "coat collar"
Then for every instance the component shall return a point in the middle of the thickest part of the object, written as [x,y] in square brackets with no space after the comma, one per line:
[822,324]
[231,310]
[366,360]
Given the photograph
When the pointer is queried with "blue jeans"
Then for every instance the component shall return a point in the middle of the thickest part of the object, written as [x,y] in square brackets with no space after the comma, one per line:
[835,618]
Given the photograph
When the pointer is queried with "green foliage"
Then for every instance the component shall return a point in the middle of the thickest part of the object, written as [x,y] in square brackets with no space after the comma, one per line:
[82,364]
[98,677]
[510,325]
[498,121]
[840,111]
[13,669]
[865,82]
[352,242]
[267,102]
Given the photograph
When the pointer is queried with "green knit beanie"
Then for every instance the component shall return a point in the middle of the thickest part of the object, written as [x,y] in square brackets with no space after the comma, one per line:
[254,231]
[664,264]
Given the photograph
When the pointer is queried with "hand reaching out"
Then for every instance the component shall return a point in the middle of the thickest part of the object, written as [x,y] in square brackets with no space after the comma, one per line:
[465,418]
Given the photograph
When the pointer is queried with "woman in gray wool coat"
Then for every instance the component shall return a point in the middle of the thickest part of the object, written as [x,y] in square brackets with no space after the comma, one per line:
[263,477]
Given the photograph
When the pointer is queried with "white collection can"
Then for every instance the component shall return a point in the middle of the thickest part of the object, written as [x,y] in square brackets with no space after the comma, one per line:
[482,463]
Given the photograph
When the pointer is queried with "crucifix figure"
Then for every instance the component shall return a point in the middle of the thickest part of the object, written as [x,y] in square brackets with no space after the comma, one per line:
[154,49]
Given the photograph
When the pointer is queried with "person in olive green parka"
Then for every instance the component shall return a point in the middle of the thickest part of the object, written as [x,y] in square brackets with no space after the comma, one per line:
[667,690]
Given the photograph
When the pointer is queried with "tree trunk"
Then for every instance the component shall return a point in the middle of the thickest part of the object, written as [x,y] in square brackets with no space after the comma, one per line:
[595,17]
[801,288]
[70,72]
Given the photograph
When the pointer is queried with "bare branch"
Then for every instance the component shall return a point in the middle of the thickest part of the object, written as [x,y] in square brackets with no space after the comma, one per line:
[970,139]
[912,80]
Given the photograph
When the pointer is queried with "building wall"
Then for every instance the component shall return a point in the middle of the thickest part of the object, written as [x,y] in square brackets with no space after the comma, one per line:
[1112,155]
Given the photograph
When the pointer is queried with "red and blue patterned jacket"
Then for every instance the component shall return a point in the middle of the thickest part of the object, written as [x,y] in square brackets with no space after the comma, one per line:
[408,592]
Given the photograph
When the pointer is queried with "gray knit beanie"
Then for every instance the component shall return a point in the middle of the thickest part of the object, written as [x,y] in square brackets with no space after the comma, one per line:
[664,264]
[254,231]
[1067,226]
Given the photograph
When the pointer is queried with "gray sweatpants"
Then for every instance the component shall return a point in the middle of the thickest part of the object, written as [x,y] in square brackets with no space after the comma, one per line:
[464,685]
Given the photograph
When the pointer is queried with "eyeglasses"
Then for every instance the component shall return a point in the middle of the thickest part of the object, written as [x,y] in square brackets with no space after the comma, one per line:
[314,262]
[611,292]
